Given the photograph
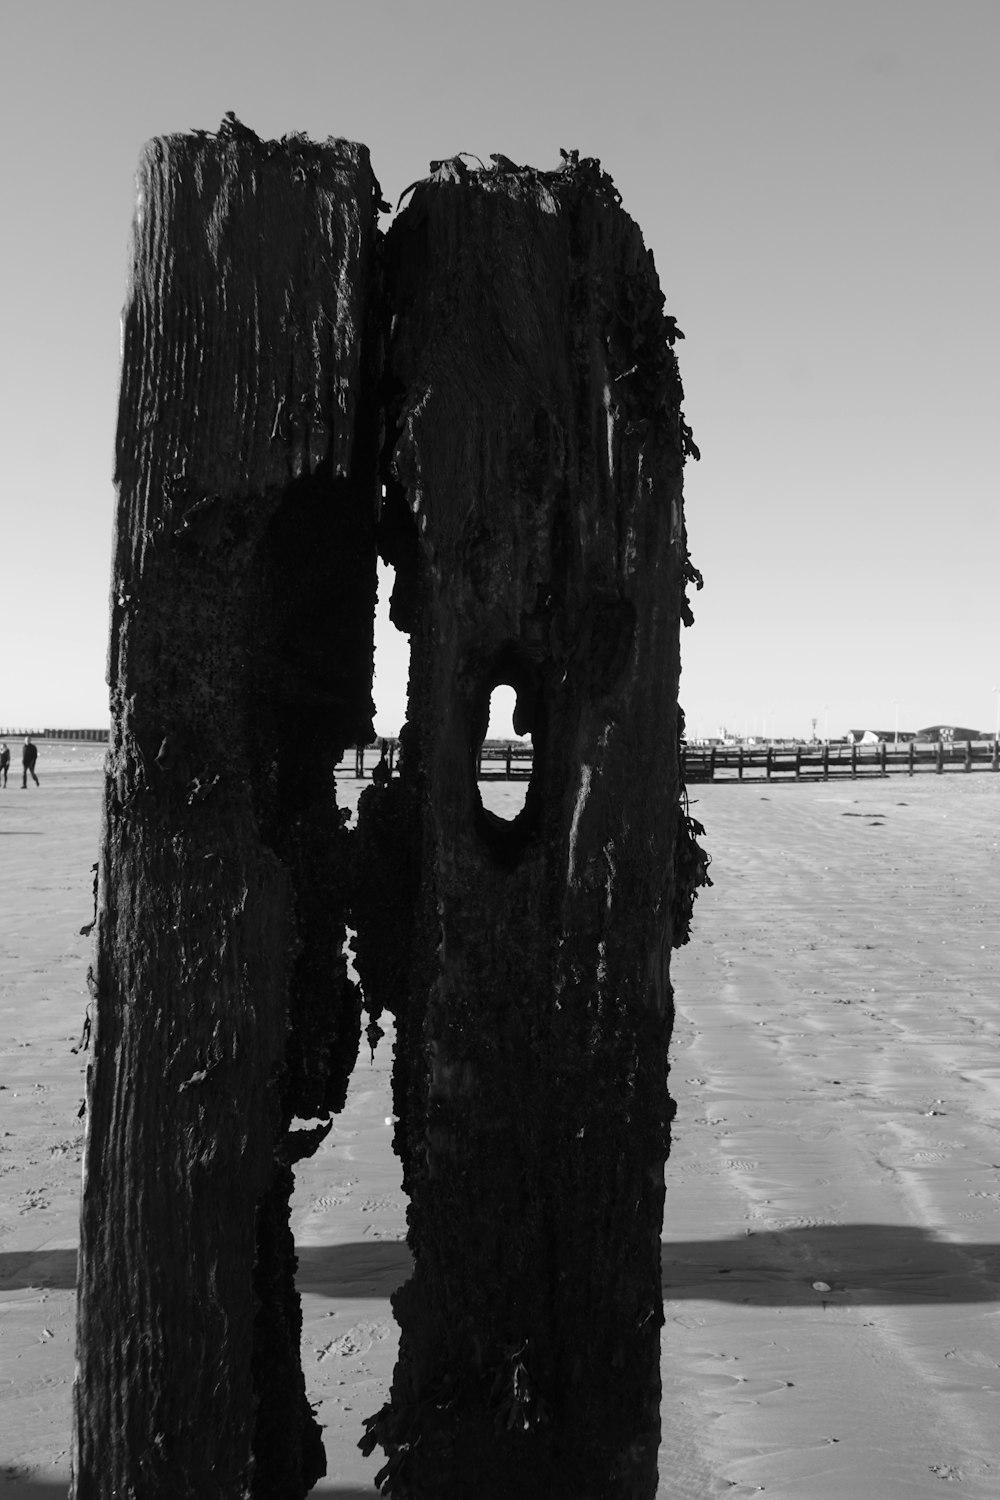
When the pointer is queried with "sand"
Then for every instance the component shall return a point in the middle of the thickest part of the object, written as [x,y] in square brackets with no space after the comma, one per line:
[831,1248]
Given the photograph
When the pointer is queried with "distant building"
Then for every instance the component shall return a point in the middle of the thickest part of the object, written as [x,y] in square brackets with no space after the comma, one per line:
[880,736]
[948,732]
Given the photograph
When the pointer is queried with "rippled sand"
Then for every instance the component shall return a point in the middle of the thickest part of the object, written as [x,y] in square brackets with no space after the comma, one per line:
[832,1236]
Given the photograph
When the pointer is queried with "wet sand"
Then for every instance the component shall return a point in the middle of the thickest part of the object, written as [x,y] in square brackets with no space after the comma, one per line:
[832,1234]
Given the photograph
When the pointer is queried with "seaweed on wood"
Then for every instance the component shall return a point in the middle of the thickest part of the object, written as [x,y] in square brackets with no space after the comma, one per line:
[538,443]
[240,667]
[509,340]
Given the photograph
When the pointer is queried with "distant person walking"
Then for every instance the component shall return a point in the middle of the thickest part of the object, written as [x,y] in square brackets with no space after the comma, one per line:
[4,761]
[28,757]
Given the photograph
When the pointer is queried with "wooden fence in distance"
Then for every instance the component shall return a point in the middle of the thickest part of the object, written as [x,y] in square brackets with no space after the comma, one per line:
[91,736]
[510,760]
[501,760]
[821,762]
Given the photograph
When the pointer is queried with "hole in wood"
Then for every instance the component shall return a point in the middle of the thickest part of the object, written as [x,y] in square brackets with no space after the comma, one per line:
[507,746]
[392,660]
[505,758]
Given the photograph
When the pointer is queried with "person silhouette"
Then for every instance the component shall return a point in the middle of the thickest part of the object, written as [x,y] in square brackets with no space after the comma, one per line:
[28,757]
[4,761]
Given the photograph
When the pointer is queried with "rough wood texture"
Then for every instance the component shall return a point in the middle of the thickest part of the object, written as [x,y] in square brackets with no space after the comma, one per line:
[535,517]
[240,666]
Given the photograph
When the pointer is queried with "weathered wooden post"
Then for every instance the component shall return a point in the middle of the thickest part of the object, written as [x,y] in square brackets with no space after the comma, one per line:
[240,668]
[535,518]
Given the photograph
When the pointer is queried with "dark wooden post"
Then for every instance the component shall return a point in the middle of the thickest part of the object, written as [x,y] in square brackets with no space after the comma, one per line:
[854,758]
[768,762]
[940,757]
[882,759]
[240,670]
[798,762]
[996,755]
[912,756]
[739,764]
[711,764]
[968,755]
[826,761]
[538,478]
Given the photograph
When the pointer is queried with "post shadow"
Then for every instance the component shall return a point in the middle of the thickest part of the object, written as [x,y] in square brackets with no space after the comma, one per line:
[31,1489]
[877,1264]
[873,1264]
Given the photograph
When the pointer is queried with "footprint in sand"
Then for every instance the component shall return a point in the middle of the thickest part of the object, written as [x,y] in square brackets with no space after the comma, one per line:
[33,1200]
[973,1357]
[335,1199]
[357,1340]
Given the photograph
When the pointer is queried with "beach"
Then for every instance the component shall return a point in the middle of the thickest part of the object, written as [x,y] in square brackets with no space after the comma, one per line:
[831,1242]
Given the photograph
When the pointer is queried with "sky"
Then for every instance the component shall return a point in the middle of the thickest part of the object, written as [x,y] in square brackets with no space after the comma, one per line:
[819,184]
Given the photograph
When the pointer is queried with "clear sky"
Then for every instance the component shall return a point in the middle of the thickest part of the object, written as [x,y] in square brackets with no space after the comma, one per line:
[820,186]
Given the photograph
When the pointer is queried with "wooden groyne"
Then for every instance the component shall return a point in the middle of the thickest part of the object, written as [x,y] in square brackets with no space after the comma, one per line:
[90,736]
[511,760]
[823,762]
[500,760]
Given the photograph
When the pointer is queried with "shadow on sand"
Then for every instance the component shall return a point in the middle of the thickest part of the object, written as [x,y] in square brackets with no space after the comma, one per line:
[336,1491]
[14,1488]
[872,1264]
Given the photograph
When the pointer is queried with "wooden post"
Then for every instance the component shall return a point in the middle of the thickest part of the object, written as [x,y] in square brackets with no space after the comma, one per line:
[882,759]
[711,764]
[240,670]
[538,477]
[940,757]
[854,759]
[996,755]
[739,764]
[968,755]
[768,761]
[798,762]
[912,757]
[826,762]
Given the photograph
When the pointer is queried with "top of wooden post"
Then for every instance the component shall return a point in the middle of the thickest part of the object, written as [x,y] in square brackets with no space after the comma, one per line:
[250,262]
